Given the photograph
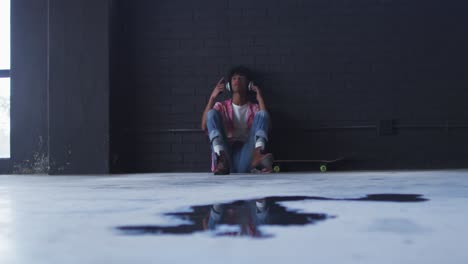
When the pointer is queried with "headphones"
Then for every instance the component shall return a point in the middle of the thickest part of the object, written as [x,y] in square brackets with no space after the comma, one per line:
[249,86]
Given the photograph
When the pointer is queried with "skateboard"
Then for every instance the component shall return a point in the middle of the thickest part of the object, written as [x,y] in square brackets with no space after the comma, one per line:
[279,165]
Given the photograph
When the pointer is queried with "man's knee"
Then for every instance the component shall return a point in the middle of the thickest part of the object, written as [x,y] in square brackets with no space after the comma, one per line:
[262,115]
[212,114]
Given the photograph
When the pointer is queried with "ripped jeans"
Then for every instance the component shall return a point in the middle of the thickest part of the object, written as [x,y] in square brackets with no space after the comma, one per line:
[239,154]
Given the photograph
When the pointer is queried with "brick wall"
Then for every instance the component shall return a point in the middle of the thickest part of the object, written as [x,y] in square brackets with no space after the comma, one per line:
[330,71]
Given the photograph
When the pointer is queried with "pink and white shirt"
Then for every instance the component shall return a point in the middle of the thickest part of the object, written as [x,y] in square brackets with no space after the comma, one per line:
[225,109]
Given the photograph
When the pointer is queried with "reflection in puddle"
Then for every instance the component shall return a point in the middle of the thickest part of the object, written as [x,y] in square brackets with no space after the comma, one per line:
[244,217]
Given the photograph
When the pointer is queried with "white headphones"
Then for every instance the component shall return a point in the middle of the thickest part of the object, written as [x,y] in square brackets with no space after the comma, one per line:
[249,87]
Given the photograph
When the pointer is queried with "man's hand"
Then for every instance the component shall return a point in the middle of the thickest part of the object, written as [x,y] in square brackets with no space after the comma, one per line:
[219,88]
[259,96]
[258,92]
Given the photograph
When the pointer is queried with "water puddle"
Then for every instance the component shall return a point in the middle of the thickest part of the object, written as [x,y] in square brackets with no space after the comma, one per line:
[244,217]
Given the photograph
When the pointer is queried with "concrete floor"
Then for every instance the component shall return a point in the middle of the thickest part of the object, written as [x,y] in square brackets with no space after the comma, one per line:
[74,219]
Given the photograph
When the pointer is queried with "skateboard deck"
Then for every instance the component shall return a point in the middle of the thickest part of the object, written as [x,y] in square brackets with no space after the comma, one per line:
[323,165]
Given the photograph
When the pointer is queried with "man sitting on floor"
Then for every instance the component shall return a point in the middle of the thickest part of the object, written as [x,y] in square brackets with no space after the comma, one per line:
[237,128]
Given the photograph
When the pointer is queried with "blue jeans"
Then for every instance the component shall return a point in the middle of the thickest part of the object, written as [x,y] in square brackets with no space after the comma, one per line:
[240,153]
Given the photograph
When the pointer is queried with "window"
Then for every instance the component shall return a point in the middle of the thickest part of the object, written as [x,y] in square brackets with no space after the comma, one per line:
[4,78]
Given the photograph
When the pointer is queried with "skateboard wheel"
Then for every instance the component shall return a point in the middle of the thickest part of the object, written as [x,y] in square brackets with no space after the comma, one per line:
[276,168]
[323,168]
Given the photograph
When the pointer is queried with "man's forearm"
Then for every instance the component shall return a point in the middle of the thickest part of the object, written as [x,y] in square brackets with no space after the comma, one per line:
[261,104]
[208,107]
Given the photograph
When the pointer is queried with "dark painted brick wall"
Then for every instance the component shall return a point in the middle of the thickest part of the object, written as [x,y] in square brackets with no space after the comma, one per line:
[330,71]
[29,97]
[60,86]
[78,87]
